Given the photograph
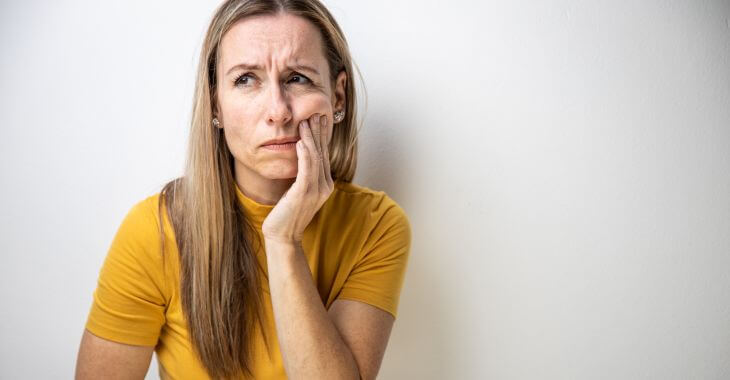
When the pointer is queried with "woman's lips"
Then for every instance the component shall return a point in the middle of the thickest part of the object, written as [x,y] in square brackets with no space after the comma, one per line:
[281,147]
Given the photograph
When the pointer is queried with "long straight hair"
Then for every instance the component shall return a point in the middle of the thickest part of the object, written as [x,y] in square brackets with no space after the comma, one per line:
[219,273]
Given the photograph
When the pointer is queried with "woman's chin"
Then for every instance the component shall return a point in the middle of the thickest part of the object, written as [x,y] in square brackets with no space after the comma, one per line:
[281,173]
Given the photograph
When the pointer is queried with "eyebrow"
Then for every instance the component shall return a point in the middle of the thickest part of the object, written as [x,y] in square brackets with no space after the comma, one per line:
[248,66]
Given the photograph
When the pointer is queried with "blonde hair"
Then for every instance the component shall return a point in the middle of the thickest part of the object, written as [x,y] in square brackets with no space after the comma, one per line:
[219,272]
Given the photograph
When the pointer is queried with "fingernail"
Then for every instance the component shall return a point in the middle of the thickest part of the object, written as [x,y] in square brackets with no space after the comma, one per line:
[324,120]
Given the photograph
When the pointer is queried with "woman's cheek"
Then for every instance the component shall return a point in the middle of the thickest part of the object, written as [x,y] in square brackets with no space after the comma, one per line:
[313,105]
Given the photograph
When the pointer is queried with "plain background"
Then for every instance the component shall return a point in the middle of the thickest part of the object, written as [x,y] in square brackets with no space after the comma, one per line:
[565,166]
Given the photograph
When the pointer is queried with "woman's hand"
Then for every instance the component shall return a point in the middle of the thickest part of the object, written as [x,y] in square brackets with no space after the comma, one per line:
[313,185]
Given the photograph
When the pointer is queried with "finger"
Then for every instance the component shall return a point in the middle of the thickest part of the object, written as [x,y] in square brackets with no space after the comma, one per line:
[303,161]
[307,137]
[311,150]
[326,149]
[316,132]
[324,128]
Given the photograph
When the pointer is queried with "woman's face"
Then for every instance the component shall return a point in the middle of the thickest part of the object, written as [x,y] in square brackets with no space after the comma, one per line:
[272,74]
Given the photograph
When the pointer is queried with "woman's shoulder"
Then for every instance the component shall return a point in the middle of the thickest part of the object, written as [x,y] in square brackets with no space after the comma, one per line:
[357,201]
[351,187]
[352,192]
[144,212]
[377,225]
[139,232]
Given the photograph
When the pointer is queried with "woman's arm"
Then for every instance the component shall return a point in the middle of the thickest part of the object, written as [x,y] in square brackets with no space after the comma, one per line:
[313,345]
[103,359]
[346,343]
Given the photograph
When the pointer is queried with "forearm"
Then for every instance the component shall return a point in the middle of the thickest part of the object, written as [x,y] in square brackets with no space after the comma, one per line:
[311,347]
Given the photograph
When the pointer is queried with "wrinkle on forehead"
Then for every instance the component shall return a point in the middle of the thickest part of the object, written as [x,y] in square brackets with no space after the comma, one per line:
[273,41]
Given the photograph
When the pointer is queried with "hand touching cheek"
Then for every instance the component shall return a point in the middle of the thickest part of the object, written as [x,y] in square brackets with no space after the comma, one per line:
[312,187]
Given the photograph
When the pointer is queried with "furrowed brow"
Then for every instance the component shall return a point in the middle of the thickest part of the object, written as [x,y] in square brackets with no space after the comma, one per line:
[249,66]
[304,68]
[245,66]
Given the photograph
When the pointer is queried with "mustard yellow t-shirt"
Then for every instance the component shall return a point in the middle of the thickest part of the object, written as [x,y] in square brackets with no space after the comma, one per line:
[357,247]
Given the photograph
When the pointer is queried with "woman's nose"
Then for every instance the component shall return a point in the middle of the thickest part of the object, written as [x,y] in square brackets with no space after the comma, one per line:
[279,111]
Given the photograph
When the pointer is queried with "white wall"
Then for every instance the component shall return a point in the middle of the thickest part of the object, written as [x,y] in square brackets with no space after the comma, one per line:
[565,165]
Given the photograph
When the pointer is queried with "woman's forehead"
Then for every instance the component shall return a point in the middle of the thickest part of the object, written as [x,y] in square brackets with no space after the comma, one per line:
[272,40]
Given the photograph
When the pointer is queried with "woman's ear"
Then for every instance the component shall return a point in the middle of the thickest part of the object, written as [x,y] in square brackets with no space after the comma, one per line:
[339,98]
[216,118]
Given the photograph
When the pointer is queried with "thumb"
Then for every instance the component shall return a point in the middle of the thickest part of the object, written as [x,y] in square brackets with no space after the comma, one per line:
[302,165]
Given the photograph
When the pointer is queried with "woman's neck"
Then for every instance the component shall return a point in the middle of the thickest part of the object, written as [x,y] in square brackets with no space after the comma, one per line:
[262,190]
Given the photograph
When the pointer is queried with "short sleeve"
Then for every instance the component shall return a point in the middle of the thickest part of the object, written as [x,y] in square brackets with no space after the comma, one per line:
[129,303]
[377,277]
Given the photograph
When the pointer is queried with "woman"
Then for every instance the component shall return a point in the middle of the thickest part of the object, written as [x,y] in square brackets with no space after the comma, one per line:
[263,260]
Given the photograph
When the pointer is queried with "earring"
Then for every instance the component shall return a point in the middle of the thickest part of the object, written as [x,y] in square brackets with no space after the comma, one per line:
[216,123]
[339,116]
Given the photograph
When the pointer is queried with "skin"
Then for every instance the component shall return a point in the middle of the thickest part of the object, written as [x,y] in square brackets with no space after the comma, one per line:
[272,101]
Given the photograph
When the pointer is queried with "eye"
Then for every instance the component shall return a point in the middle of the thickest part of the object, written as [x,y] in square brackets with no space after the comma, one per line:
[244,79]
[299,79]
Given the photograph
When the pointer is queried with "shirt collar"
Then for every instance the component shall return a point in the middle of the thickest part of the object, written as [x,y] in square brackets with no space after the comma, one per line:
[255,212]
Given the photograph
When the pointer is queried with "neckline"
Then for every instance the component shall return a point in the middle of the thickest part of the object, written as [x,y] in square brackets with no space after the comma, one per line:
[256,212]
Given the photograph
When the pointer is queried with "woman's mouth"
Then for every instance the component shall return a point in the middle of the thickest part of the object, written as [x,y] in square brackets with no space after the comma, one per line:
[280,147]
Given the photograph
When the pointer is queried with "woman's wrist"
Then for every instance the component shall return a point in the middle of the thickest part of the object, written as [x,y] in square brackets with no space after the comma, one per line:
[282,256]
[279,240]
[281,246]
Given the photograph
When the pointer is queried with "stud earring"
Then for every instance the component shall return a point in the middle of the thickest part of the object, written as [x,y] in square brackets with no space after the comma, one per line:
[216,123]
[339,116]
